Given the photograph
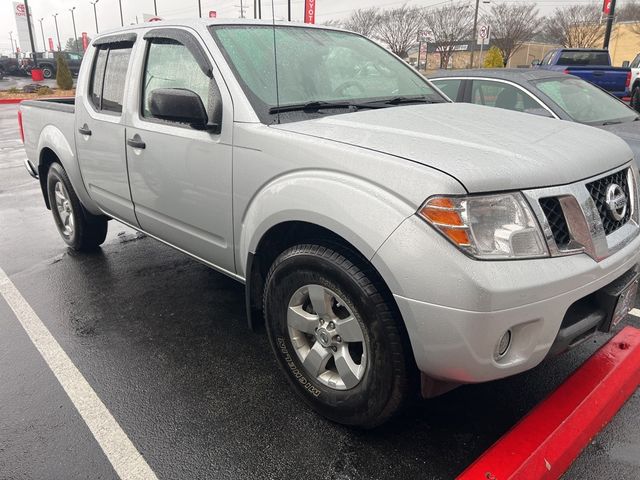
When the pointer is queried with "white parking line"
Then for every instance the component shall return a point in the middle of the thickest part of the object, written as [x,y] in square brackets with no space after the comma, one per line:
[125,458]
[635,312]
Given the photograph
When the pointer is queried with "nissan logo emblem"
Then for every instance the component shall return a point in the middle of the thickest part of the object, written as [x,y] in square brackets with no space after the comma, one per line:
[616,201]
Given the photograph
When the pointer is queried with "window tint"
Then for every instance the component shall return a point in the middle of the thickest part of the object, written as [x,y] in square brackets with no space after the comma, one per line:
[450,87]
[501,95]
[97,78]
[171,65]
[115,76]
[577,57]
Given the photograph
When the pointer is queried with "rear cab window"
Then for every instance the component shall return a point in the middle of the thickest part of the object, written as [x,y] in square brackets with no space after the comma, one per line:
[109,75]
[582,57]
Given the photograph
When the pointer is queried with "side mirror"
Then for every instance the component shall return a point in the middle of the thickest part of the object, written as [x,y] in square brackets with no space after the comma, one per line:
[535,63]
[625,64]
[180,105]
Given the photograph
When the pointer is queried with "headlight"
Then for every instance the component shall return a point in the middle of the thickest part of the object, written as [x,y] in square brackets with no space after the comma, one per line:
[497,226]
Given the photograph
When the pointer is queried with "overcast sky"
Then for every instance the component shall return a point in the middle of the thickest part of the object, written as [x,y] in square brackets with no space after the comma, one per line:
[109,16]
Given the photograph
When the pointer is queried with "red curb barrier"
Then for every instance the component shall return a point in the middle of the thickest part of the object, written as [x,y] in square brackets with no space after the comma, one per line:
[546,442]
[6,101]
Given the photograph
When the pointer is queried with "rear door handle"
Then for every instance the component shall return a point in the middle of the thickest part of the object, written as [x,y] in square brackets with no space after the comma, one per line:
[84,130]
[136,142]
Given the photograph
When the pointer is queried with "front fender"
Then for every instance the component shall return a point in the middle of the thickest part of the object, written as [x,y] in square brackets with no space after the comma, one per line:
[362,213]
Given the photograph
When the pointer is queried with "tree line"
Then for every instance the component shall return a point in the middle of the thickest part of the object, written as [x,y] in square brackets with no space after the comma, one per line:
[512,24]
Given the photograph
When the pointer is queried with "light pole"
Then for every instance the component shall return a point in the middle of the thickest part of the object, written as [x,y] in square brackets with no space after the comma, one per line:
[55,19]
[33,47]
[75,35]
[200,8]
[13,50]
[475,29]
[121,20]
[95,13]
[155,8]
[44,44]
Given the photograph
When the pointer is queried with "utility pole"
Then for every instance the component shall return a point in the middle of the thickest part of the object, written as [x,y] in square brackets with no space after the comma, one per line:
[289,9]
[95,13]
[121,19]
[260,9]
[33,48]
[255,9]
[200,8]
[13,50]
[155,8]
[75,35]
[242,9]
[607,32]
[44,44]
[475,31]
[55,19]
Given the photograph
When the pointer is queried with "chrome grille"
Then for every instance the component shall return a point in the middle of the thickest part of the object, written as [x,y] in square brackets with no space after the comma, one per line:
[598,192]
[557,222]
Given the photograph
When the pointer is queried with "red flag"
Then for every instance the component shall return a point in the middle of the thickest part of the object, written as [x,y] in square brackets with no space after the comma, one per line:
[50,44]
[309,11]
[606,7]
[213,14]
[85,41]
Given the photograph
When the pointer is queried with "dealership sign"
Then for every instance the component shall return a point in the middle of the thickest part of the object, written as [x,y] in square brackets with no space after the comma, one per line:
[309,11]
[606,7]
[20,13]
[85,41]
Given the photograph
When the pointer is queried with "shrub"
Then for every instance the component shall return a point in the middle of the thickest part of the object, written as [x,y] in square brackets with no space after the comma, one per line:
[493,59]
[44,90]
[14,90]
[63,74]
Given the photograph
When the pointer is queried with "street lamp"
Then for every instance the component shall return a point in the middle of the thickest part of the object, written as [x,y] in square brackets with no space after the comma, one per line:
[95,14]
[121,20]
[75,35]
[13,50]
[155,8]
[55,19]
[44,44]
[475,29]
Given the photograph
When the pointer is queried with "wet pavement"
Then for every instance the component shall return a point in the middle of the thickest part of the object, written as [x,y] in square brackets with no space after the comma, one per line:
[163,342]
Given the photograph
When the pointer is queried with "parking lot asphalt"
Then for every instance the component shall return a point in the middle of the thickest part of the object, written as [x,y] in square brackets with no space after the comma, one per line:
[163,342]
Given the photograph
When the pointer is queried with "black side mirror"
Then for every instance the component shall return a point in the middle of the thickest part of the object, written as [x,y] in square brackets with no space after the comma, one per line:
[625,64]
[180,105]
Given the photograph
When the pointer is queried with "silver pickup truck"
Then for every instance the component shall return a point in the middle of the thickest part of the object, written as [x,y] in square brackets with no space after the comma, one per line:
[390,241]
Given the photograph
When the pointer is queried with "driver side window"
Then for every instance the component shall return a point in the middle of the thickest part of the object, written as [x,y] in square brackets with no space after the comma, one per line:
[171,65]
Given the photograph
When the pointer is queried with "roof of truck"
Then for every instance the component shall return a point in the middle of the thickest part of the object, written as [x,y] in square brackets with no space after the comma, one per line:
[512,74]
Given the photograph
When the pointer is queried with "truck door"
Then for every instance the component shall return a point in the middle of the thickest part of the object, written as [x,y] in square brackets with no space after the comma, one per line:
[100,131]
[180,176]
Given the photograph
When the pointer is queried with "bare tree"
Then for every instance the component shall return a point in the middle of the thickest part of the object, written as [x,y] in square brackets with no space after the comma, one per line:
[575,26]
[630,12]
[449,25]
[333,23]
[363,21]
[398,28]
[512,25]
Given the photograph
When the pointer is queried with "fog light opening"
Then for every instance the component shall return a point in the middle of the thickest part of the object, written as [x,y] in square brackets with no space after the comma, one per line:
[503,345]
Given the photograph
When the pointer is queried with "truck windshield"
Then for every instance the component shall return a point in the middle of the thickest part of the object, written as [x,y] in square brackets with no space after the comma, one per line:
[581,57]
[585,103]
[319,71]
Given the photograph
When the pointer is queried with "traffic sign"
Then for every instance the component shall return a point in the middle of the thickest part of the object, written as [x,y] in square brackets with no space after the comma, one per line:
[484,31]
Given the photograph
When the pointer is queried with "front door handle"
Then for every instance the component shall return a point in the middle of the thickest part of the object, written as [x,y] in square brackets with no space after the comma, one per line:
[84,130]
[136,142]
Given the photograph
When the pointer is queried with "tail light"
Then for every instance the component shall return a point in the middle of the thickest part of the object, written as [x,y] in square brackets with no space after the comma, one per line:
[20,125]
[628,80]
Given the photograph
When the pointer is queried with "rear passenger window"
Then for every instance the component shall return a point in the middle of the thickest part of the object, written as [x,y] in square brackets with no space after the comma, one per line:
[449,87]
[109,77]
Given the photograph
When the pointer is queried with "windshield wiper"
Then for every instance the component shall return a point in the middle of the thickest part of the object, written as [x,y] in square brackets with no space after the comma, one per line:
[310,106]
[612,122]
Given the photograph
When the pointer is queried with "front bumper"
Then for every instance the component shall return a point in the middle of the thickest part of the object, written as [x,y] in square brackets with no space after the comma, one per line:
[456,309]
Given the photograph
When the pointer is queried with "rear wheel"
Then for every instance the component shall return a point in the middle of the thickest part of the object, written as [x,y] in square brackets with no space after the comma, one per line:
[635,98]
[336,336]
[78,228]
[47,71]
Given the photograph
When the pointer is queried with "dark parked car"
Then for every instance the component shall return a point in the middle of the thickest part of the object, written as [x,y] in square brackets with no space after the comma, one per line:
[546,93]
[47,62]
[9,66]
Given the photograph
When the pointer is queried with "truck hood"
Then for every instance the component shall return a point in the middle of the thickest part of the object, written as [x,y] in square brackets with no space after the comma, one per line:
[629,132]
[485,149]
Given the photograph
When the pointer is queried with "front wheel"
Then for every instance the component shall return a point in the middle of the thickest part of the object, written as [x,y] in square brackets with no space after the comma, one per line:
[47,71]
[78,228]
[635,99]
[336,336]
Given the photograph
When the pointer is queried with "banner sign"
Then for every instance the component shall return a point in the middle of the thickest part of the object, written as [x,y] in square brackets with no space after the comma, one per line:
[85,41]
[22,26]
[606,7]
[213,14]
[309,11]
[50,44]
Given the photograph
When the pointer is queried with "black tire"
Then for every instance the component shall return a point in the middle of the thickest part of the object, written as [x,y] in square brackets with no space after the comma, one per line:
[635,99]
[388,379]
[87,231]
[47,71]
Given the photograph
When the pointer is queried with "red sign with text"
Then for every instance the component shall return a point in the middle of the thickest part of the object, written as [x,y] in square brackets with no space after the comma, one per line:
[85,41]
[213,14]
[606,7]
[50,44]
[309,11]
